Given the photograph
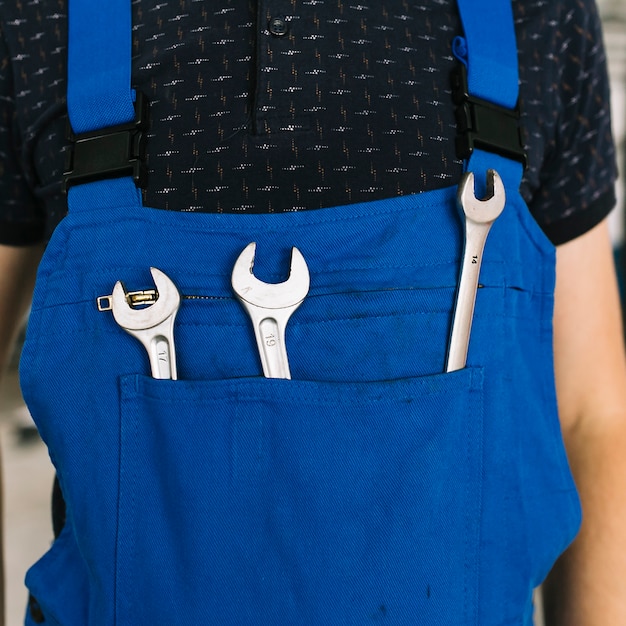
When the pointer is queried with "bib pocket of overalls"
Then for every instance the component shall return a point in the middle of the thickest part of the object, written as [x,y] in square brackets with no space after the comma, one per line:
[299,502]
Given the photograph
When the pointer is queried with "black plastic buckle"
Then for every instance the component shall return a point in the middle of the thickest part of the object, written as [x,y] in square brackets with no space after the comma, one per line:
[109,152]
[484,125]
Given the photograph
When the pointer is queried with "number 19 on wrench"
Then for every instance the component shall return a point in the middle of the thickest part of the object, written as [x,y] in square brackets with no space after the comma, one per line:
[479,216]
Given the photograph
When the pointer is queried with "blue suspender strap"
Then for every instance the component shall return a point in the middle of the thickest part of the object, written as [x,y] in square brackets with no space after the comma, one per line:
[492,51]
[492,75]
[99,93]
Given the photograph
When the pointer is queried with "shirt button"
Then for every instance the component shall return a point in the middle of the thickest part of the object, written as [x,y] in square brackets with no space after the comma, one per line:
[278,26]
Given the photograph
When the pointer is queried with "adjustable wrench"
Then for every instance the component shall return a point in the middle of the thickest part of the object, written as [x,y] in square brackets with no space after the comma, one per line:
[270,306]
[479,216]
[153,325]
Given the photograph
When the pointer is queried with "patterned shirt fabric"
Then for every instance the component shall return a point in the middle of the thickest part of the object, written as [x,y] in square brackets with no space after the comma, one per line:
[285,105]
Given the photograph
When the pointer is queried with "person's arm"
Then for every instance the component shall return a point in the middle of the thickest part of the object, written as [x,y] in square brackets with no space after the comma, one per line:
[18,266]
[17,275]
[588,584]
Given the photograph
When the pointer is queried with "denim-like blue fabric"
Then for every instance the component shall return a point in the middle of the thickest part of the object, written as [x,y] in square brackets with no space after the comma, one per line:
[370,488]
[99,91]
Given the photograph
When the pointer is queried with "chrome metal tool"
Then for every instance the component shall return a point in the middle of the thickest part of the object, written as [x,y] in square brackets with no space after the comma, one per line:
[270,305]
[152,325]
[479,216]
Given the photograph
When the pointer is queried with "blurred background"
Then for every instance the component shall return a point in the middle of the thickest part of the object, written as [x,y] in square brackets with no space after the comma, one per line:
[614,18]
[28,474]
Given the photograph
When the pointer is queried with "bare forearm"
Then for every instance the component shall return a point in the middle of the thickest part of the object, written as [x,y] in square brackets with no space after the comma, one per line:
[586,586]
[17,273]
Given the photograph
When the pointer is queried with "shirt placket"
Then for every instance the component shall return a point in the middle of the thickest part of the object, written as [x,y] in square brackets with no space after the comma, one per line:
[281,93]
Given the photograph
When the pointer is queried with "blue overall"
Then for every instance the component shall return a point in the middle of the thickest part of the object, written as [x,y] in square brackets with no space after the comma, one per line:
[370,488]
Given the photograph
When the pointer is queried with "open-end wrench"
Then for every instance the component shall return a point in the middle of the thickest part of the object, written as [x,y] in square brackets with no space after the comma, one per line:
[152,325]
[270,306]
[479,216]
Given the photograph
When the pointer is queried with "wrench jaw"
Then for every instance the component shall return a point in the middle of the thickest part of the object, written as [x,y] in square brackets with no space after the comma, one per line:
[487,209]
[166,305]
[250,289]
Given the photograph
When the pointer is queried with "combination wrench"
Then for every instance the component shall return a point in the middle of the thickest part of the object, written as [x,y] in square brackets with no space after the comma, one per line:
[479,215]
[153,325]
[269,306]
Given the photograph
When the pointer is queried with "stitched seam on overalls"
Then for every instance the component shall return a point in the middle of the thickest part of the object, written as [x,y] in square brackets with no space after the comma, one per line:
[415,386]
[77,272]
[115,331]
[152,215]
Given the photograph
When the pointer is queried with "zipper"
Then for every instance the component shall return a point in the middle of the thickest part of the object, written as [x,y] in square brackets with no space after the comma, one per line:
[145,297]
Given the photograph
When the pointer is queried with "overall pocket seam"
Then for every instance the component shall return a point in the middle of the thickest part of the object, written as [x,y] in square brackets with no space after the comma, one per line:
[259,388]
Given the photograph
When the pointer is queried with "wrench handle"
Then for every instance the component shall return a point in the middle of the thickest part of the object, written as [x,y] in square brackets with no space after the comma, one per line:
[162,360]
[270,338]
[159,344]
[476,236]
